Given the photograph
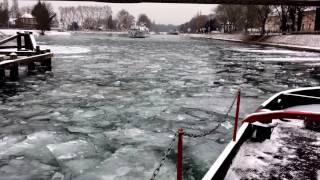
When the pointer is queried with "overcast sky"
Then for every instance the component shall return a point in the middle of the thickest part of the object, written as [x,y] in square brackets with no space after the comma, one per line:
[161,13]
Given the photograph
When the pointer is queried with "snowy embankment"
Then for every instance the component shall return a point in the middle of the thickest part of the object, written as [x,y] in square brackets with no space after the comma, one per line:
[306,42]
[10,32]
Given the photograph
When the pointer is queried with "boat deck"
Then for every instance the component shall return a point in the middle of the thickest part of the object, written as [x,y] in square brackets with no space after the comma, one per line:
[292,152]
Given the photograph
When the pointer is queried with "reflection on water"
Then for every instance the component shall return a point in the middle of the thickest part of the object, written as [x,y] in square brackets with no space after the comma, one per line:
[111,105]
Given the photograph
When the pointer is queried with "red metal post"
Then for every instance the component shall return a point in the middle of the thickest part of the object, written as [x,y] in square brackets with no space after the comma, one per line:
[180,156]
[236,117]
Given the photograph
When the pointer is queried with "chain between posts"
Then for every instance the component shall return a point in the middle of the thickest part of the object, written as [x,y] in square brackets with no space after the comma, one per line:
[206,133]
[170,147]
[164,157]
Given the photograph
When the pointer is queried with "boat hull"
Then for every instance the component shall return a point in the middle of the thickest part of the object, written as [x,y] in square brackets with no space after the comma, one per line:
[280,101]
[137,34]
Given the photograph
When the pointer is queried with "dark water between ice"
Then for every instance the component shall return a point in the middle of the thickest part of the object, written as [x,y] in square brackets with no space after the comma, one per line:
[111,105]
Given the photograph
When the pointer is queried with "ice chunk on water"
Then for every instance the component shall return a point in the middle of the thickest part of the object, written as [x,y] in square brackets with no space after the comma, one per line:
[79,166]
[135,135]
[32,146]
[83,129]
[75,156]
[25,169]
[57,176]
[72,149]
[130,163]
[227,125]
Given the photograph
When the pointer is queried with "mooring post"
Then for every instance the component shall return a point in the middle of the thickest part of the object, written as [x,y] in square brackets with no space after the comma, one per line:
[38,50]
[2,70]
[31,67]
[47,62]
[19,45]
[180,154]
[14,68]
[2,74]
[27,41]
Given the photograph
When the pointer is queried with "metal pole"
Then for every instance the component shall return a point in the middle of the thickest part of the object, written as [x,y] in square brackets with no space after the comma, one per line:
[180,155]
[236,117]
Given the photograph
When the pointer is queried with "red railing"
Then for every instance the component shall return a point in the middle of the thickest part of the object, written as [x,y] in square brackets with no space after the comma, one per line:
[261,116]
[180,154]
[236,118]
[269,115]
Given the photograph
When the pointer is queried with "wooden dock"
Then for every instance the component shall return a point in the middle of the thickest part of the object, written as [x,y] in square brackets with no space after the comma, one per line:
[23,52]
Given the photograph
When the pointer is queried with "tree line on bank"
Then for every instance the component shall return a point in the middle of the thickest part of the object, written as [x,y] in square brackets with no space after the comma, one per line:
[74,18]
[241,18]
[99,18]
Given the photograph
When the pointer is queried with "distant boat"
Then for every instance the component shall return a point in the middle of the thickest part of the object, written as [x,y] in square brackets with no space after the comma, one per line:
[174,32]
[138,31]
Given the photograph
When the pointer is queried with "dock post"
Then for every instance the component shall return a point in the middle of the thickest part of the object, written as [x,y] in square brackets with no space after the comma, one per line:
[19,43]
[14,68]
[47,62]
[180,154]
[31,68]
[38,51]
[2,74]
[2,70]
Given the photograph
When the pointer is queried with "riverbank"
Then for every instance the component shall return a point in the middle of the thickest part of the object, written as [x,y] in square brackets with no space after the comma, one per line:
[11,32]
[306,42]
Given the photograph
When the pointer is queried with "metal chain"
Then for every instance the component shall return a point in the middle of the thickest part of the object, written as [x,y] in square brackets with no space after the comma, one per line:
[170,147]
[164,157]
[206,133]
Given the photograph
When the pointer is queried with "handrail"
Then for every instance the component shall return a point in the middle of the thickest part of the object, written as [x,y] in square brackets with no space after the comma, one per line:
[269,115]
[303,96]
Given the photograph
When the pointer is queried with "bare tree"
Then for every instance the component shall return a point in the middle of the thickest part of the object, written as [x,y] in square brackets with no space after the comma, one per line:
[232,14]
[88,17]
[143,18]
[300,14]
[44,15]
[263,13]
[125,20]
[4,14]
[15,9]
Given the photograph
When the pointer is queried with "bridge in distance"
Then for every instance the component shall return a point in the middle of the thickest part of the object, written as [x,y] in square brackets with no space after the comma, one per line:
[242,2]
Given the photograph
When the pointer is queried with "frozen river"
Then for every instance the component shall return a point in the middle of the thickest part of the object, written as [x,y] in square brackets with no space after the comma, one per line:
[111,105]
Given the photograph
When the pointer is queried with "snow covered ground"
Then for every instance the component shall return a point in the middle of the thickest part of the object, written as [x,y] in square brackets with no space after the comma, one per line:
[291,153]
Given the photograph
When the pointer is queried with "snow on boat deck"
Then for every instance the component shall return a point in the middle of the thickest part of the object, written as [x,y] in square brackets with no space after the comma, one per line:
[292,152]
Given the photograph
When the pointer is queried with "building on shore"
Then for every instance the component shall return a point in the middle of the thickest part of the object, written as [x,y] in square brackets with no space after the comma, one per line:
[308,20]
[27,21]
[273,23]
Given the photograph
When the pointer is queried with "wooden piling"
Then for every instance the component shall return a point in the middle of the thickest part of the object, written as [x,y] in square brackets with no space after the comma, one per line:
[14,68]
[46,63]
[19,45]
[2,74]
[31,68]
